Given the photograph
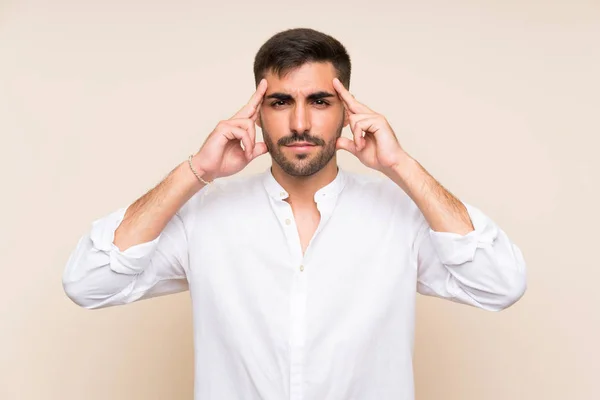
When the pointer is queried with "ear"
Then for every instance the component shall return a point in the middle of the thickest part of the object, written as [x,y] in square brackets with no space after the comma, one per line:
[346,117]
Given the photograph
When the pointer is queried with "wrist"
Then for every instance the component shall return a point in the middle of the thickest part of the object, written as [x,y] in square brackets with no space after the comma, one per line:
[202,173]
[403,171]
[188,181]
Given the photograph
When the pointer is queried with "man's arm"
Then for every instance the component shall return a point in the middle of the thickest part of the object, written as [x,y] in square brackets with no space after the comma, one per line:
[142,251]
[136,252]
[443,211]
[461,254]
[147,217]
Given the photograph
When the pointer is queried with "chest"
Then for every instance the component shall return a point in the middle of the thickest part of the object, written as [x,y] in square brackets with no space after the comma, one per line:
[272,242]
[290,262]
[306,220]
[252,276]
[345,241]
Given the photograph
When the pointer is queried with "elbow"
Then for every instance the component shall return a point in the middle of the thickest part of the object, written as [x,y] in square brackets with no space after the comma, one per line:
[515,282]
[77,293]
[511,281]
[513,291]
[78,297]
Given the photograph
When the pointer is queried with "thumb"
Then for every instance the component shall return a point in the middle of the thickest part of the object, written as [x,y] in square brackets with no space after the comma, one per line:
[346,144]
[260,148]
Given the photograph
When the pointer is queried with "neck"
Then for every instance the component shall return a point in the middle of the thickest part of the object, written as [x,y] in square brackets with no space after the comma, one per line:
[302,189]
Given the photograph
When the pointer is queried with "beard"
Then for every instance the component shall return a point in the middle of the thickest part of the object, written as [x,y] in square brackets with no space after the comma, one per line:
[303,164]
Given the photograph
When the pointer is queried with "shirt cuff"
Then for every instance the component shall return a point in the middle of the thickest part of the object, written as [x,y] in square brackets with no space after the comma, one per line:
[134,259]
[454,248]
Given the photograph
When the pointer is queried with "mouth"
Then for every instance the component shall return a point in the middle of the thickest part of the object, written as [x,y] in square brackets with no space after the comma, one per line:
[301,146]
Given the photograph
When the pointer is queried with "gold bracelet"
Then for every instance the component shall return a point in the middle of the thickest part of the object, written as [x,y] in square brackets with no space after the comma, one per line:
[194,171]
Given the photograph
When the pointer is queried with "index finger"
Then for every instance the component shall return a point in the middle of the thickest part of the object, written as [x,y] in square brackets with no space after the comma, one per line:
[252,106]
[351,103]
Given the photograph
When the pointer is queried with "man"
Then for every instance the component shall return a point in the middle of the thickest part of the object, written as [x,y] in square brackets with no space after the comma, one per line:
[302,278]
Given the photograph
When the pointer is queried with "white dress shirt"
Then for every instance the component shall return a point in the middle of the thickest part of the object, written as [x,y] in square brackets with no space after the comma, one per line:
[272,323]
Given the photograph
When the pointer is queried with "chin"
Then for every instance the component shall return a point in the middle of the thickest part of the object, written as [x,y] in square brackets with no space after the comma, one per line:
[307,166]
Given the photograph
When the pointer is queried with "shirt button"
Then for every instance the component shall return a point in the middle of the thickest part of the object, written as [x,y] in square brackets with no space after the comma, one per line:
[301,268]
[282,194]
[288,221]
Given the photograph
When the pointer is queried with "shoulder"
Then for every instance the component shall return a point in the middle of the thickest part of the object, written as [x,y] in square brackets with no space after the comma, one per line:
[234,186]
[224,192]
[378,189]
[374,186]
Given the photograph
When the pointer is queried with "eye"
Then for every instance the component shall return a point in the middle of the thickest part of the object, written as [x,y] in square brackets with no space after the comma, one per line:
[278,103]
[321,102]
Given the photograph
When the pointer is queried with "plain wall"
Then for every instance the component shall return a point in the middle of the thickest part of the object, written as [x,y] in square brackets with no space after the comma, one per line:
[499,100]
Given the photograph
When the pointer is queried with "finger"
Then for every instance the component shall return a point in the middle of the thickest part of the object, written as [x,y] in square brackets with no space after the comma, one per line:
[252,106]
[357,132]
[354,118]
[246,124]
[344,143]
[358,136]
[356,108]
[350,102]
[235,133]
[364,125]
[254,116]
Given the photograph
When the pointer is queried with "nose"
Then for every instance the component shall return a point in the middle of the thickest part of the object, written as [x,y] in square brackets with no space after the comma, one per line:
[300,119]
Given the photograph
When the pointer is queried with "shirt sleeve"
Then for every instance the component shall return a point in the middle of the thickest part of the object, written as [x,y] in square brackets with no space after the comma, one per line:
[99,275]
[482,268]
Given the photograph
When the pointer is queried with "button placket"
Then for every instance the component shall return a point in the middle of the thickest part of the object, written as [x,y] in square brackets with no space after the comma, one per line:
[299,287]
[297,302]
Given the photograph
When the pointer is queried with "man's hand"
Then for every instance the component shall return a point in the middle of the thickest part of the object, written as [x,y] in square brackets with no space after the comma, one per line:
[379,147]
[222,154]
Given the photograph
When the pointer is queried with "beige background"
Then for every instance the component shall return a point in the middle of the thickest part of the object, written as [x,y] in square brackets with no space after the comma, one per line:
[499,100]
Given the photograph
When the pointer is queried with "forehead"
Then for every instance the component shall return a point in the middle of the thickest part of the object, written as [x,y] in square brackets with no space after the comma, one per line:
[304,80]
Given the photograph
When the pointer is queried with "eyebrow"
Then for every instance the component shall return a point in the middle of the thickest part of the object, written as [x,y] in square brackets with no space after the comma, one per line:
[313,96]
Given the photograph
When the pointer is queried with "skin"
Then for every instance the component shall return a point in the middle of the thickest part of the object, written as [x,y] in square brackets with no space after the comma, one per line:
[232,145]
[288,110]
[303,105]
[376,145]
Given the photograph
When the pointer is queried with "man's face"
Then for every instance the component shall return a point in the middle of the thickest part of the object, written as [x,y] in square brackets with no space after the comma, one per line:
[301,118]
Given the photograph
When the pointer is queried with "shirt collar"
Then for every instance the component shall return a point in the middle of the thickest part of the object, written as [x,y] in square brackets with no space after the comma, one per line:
[277,192]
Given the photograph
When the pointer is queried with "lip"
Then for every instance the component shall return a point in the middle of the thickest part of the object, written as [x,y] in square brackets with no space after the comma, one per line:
[301,146]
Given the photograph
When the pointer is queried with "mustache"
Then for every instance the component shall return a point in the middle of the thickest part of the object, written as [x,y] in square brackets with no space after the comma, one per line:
[295,137]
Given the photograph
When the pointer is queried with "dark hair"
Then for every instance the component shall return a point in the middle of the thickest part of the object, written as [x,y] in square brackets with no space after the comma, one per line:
[293,48]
